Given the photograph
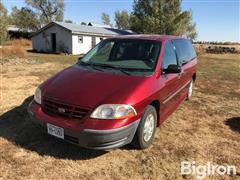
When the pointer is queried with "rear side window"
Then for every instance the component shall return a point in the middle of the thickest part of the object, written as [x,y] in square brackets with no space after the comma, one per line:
[185,50]
[169,55]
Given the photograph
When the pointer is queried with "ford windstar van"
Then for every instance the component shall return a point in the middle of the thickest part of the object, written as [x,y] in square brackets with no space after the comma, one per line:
[118,93]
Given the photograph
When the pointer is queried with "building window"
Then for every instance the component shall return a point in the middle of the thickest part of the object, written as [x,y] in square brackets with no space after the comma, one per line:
[80,39]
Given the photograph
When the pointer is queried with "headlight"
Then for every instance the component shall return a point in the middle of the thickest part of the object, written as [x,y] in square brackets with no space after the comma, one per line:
[38,96]
[113,111]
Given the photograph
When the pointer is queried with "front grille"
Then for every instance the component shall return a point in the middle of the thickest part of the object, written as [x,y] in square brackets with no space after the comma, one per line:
[55,108]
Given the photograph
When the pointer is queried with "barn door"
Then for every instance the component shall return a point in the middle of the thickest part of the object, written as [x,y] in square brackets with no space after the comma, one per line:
[53,40]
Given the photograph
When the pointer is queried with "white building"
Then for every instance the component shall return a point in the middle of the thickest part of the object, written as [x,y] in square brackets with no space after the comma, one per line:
[71,38]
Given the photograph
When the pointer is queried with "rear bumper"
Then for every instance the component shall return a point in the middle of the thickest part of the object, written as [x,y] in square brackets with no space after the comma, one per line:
[96,139]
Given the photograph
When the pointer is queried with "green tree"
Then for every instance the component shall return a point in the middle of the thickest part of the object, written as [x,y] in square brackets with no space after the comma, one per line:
[162,17]
[68,21]
[122,20]
[48,10]
[4,22]
[25,19]
[106,19]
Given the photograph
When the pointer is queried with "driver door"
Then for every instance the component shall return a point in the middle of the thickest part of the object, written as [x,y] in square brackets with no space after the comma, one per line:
[169,96]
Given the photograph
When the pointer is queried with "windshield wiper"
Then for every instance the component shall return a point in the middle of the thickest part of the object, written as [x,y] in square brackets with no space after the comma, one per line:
[107,65]
[90,65]
[125,72]
[114,67]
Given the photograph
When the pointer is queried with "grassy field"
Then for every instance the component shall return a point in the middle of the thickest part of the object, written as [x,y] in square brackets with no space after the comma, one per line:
[207,128]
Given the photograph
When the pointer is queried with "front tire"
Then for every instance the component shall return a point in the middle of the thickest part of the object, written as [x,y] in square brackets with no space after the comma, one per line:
[146,129]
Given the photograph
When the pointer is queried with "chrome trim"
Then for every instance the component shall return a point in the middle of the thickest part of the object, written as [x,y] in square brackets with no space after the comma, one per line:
[171,96]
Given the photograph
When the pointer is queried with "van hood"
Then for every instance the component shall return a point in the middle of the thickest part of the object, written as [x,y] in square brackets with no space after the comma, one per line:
[85,88]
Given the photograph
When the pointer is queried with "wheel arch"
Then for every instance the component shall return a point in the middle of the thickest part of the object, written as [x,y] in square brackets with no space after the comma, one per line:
[156,105]
[194,77]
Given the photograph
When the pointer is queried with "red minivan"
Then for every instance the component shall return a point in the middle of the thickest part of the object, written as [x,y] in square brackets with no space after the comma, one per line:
[118,93]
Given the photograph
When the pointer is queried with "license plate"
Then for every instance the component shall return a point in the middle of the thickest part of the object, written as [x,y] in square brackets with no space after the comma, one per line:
[55,131]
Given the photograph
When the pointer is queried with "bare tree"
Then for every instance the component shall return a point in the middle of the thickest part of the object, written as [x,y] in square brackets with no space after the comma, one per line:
[48,10]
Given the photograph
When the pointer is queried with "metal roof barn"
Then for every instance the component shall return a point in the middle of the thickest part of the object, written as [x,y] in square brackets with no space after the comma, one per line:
[71,38]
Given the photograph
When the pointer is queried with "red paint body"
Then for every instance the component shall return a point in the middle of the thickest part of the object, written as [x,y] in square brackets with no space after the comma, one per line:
[89,89]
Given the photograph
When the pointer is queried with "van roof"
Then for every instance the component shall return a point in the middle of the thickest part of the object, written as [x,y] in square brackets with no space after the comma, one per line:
[148,37]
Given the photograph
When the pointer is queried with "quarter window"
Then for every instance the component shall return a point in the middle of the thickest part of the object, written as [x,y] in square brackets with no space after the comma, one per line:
[184,49]
[169,56]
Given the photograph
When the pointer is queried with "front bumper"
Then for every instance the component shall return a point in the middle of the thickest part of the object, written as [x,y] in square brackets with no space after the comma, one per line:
[93,138]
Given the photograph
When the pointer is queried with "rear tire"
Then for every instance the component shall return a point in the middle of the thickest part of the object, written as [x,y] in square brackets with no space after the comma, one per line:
[146,129]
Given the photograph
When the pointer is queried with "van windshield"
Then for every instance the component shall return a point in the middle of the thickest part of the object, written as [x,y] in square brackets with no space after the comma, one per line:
[130,55]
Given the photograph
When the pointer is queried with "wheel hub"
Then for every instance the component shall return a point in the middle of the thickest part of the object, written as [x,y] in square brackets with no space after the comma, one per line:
[190,89]
[148,128]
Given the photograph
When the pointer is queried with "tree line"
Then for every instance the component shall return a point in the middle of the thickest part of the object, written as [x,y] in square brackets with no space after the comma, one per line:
[31,17]
[147,17]
[155,17]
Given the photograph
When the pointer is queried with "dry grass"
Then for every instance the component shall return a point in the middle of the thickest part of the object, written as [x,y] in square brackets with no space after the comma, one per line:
[19,42]
[207,128]
[15,47]
[18,51]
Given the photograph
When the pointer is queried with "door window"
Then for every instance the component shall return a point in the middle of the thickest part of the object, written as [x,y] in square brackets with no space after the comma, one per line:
[169,55]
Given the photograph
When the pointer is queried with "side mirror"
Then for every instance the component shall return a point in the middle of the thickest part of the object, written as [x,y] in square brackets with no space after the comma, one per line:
[172,68]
